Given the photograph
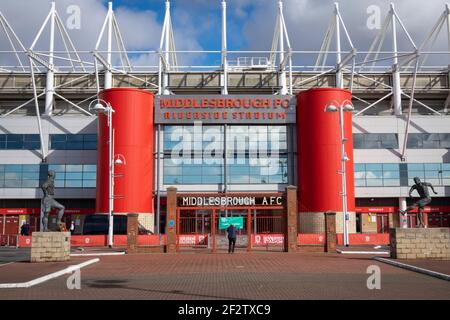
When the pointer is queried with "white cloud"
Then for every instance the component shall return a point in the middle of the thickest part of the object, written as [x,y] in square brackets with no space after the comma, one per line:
[141,30]
[251,23]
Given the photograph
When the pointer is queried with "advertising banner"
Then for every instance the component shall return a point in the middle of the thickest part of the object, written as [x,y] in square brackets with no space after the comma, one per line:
[225,222]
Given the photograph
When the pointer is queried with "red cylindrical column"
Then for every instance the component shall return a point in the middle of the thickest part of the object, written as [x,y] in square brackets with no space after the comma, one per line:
[319,157]
[133,136]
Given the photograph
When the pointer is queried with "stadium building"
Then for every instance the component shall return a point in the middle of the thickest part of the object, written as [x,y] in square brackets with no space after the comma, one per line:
[230,137]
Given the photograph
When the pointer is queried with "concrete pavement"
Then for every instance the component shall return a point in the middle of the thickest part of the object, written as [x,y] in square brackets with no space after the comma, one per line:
[264,276]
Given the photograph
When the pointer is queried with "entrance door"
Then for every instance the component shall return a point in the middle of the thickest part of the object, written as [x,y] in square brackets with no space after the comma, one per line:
[382,223]
[194,229]
[12,225]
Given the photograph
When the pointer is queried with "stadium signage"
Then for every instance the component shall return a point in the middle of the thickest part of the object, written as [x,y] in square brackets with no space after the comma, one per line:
[185,109]
[223,201]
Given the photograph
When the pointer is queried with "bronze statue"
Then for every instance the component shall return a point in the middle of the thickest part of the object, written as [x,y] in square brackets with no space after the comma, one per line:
[48,202]
[425,198]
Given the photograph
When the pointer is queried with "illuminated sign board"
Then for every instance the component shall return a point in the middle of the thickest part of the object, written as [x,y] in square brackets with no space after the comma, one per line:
[259,109]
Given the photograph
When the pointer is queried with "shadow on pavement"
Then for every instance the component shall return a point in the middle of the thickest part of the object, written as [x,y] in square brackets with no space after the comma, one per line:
[122,284]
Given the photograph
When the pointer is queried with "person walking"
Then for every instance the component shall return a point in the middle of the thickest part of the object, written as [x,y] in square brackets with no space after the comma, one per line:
[231,238]
[72,227]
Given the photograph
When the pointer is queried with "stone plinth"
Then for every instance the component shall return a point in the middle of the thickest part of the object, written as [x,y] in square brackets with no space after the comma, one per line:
[50,246]
[420,243]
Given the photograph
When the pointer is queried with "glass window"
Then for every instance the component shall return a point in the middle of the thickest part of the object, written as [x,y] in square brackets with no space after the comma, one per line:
[89,168]
[28,183]
[374,182]
[430,141]
[74,175]
[414,141]
[88,183]
[243,142]
[89,175]
[13,183]
[74,168]
[243,179]
[172,179]
[2,141]
[74,183]
[444,140]
[13,168]
[358,140]
[420,174]
[391,174]
[415,166]
[360,182]
[30,175]
[391,182]
[57,167]
[432,166]
[14,141]
[211,179]
[58,141]
[192,179]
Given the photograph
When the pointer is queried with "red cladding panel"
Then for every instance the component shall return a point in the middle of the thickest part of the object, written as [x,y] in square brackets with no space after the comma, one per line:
[319,151]
[134,139]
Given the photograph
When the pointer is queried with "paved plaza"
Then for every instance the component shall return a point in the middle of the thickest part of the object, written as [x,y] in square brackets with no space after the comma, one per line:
[193,276]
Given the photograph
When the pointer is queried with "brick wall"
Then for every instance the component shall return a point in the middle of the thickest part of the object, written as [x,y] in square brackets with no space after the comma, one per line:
[314,222]
[418,243]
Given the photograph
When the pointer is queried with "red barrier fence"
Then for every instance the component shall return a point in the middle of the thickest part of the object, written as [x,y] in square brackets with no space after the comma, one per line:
[200,239]
[355,239]
[8,240]
[101,240]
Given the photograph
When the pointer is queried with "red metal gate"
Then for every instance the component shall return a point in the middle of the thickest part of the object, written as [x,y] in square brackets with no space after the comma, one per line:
[198,228]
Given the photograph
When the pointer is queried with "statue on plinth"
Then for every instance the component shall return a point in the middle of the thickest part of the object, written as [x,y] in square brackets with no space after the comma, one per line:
[425,198]
[48,203]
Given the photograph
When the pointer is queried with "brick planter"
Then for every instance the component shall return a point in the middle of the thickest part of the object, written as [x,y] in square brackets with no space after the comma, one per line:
[50,246]
[429,243]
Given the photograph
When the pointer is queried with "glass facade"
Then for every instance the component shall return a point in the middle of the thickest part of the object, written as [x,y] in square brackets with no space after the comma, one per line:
[428,141]
[375,141]
[202,155]
[395,175]
[390,141]
[377,175]
[20,142]
[32,175]
[73,142]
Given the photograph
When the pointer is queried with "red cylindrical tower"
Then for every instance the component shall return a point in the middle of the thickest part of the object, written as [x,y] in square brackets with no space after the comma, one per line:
[319,158]
[133,137]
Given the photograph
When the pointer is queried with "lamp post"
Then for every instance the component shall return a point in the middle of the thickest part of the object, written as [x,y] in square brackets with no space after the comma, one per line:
[346,106]
[101,106]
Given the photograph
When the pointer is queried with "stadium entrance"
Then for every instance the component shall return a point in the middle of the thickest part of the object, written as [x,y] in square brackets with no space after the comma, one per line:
[202,221]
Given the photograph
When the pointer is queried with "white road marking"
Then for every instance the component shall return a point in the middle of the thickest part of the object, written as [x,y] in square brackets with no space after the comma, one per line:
[362,252]
[50,276]
[409,267]
[97,254]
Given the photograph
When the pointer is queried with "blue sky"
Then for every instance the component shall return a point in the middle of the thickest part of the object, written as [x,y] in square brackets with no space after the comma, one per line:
[208,13]
[197,23]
